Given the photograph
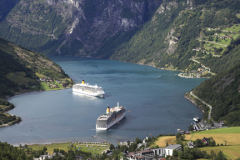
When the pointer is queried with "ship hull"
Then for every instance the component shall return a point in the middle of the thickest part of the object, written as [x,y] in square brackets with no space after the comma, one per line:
[95,94]
[112,123]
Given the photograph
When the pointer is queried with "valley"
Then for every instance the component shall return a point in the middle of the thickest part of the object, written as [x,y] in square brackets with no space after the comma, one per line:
[46,45]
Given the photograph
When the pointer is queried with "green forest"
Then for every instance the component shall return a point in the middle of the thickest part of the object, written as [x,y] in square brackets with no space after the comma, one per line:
[223,93]
[180,25]
[20,71]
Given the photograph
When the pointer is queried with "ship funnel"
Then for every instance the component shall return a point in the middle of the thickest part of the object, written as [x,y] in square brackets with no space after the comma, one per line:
[108,110]
[83,82]
[117,104]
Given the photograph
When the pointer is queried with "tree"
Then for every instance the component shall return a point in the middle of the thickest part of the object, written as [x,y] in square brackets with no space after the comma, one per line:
[137,140]
[198,143]
[225,142]
[181,154]
[166,144]
[221,156]
[44,148]
[180,136]
[190,128]
[190,157]
[111,147]
[211,141]
[175,153]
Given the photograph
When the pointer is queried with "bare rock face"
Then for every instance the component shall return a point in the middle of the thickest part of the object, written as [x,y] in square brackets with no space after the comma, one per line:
[73,27]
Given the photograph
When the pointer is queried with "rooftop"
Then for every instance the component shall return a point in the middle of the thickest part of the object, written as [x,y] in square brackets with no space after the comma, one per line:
[173,146]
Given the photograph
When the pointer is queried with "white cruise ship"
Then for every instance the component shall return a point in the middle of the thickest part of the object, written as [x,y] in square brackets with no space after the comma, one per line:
[85,88]
[111,117]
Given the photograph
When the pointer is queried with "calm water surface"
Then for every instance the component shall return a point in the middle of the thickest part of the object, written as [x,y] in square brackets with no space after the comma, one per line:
[153,98]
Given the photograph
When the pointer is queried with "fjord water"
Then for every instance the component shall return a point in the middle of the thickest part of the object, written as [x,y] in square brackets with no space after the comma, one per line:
[153,98]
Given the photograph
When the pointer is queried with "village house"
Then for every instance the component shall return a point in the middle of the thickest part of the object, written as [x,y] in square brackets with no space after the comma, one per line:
[190,144]
[152,153]
[144,143]
[205,140]
[169,149]
[43,157]
[42,79]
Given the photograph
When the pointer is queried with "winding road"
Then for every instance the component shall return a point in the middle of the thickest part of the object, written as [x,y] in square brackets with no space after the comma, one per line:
[209,115]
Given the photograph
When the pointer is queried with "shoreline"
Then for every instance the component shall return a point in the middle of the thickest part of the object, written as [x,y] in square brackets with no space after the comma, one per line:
[18,94]
[62,140]
[192,101]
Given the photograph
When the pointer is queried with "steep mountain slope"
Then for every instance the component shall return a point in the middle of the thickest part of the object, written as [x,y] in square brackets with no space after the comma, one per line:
[70,27]
[163,33]
[173,34]
[21,69]
[223,93]
[5,7]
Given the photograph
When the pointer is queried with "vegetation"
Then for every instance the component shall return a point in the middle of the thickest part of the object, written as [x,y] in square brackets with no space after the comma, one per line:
[226,140]
[179,26]
[223,93]
[8,152]
[20,71]
[90,148]
[5,7]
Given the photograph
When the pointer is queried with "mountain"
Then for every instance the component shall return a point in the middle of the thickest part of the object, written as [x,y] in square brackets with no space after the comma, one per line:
[21,69]
[170,34]
[73,27]
[175,34]
[200,38]
[5,7]
[223,93]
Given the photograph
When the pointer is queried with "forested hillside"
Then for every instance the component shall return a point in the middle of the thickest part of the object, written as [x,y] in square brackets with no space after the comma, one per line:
[21,69]
[175,34]
[223,93]
[170,34]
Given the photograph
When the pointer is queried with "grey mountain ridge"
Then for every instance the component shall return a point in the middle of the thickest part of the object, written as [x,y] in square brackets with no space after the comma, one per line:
[73,27]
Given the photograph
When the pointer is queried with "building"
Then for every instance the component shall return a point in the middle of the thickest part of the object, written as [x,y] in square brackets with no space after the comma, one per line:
[205,140]
[169,149]
[43,157]
[152,153]
[190,144]
[139,155]
[160,152]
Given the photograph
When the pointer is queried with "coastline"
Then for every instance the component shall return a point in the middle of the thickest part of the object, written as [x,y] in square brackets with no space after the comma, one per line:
[19,119]
[67,88]
[192,100]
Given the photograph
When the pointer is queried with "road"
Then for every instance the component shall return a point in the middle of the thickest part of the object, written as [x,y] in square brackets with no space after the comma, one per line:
[206,68]
[209,115]
[210,107]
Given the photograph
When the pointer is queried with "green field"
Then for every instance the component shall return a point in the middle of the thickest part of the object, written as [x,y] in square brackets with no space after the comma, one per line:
[234,28]
[92,148]
[45,87]
[220,131]
[230,136]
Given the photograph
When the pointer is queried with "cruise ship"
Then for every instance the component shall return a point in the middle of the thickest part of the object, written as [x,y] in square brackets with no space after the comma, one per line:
[85,88]
[111,117]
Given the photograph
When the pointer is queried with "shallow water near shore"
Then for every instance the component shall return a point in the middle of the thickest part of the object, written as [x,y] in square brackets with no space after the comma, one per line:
[153,98]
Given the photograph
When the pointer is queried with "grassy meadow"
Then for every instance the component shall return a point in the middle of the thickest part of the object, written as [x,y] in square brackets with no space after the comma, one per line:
[92,148]
[45,87]
[230,136]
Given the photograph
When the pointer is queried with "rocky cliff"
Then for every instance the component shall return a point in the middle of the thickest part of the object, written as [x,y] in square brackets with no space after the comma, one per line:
[73,27]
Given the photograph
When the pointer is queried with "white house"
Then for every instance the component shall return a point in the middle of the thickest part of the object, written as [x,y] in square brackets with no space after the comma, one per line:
[169,149]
